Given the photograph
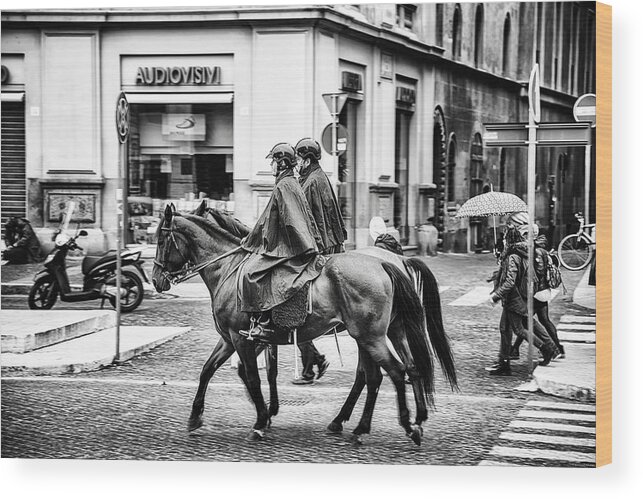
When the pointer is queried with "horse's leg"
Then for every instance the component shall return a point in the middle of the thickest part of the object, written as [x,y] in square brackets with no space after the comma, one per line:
[345,412]
[373,382]
[222,352]
[250,375]
[271,370]
[381,355]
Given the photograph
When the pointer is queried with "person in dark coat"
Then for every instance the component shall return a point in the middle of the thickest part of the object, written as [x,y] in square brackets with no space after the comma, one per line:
[23,246]
[332,231]
[285,246]
[511,289]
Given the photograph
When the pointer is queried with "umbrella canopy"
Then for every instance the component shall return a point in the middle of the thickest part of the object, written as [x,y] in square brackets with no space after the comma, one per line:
[491,204]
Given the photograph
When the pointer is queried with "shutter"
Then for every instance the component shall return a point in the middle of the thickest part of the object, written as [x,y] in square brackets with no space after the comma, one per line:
[12,168]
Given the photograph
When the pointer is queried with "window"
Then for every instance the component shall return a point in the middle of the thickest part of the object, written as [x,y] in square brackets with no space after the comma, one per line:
[406,15]
[439,20]
[506,41]
[450,180]
[402,139]
[457,33]
[502,181]
[475,168]
[478,40]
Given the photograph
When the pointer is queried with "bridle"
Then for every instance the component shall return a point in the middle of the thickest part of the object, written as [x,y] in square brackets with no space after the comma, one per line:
[189,269]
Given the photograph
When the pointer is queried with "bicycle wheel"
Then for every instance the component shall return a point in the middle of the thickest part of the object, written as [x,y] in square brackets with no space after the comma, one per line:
[574,252]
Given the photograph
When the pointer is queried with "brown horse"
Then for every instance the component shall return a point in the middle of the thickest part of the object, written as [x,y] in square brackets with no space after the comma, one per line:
[369,297]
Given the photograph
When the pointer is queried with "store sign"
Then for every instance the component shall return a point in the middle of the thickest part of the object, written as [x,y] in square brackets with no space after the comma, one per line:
[178,75]
[351,81]
[405,95]
[183,126]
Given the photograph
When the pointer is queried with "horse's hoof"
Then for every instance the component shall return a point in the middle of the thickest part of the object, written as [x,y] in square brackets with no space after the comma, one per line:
[255,436]
[355,439]
[273,410]
[195,423]
[335,427]
[416,435]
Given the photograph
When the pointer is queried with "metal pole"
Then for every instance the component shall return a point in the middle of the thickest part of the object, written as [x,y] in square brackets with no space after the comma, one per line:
[120,202]
[588,172]
[334,136]
[531,202]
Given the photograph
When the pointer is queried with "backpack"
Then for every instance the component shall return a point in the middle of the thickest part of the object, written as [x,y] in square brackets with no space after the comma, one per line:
[553,277]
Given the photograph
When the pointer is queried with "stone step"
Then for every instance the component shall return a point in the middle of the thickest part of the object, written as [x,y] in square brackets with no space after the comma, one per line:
[27,330]
[89,352]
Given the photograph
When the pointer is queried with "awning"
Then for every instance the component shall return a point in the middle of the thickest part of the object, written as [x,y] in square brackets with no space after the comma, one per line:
[13,96]
[169,98]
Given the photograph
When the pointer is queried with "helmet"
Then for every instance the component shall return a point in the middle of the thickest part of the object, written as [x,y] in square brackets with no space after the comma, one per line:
[284,154]
[308,148]
[517,219]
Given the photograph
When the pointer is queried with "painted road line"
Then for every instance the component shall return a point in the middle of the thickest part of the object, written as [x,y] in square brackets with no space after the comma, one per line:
[576,327]
[487,462]
[547,455]
[560,427]
[475,297]
[578,319]
[559,405]
[577,337]
[548,439]
[557,415]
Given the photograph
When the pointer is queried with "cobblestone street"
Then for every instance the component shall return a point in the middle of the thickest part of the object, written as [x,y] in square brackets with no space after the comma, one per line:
[139,409]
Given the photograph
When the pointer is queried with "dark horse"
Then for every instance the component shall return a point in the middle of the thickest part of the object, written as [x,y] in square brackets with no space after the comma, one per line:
[371,298]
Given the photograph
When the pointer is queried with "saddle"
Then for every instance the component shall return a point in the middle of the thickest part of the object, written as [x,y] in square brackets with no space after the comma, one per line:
[292,313]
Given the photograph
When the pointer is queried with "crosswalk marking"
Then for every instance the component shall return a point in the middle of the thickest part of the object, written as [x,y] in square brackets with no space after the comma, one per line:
[548,439]
[560,427]
[576,327]
[556,415]
[578,319]
[561,405]
[577,337]
[477,296]
[487,462]
[547,455]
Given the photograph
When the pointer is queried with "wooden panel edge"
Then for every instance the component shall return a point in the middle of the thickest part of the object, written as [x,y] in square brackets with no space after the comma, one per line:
[603,234]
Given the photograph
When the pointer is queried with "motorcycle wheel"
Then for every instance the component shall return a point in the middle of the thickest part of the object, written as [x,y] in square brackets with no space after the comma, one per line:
[133,296]
[43,294]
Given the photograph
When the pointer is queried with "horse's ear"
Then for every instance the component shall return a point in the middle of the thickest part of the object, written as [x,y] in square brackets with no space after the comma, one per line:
[201,209]
[169,211]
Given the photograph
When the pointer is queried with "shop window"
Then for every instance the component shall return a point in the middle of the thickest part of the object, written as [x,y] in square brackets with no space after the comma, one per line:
[402,140]
[478,51]
[179,154]
[346,164]
[457,33]
[502,181]
[475,168]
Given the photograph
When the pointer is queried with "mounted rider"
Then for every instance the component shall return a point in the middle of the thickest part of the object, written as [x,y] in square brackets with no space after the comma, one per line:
[284,245]
[328,219]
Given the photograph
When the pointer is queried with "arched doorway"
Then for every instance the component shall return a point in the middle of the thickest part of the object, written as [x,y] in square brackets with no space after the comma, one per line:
[439,170]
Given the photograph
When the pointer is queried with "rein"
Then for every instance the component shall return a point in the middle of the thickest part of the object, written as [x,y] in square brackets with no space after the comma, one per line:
[187,272]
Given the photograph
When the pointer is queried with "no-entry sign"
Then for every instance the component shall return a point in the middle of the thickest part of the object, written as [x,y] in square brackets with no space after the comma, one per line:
[585,109]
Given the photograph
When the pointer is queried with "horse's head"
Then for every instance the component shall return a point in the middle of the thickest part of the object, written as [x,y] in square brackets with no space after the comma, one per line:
[226,222]
[172,251]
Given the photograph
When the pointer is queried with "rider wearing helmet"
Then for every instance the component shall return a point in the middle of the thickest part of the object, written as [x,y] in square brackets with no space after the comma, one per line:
[325,209]
[284,243]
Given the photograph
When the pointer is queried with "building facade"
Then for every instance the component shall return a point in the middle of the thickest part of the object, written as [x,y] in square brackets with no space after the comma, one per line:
[211,90]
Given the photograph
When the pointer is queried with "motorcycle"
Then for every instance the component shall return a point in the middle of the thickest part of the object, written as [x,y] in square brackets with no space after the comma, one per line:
[99,277]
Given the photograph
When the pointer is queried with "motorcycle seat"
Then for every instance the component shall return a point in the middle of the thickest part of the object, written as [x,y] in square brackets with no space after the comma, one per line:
[89,262]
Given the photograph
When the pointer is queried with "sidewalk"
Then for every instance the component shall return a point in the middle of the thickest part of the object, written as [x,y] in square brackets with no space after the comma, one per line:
[574,377]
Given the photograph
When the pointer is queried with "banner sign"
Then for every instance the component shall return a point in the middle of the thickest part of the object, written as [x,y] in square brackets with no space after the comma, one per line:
[182,126]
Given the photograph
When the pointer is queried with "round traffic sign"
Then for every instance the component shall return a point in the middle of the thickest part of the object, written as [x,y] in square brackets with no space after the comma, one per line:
[122,118]
[534,93]
[585,109]
[342,139]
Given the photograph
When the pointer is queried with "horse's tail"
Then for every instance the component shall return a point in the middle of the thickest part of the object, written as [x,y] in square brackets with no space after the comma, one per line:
[413,347]
[433,314]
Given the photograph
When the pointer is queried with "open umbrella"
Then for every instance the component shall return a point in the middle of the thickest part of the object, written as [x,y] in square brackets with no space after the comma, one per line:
[491,204]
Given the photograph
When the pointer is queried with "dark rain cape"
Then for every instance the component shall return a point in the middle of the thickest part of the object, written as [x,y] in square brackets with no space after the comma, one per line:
[323,204]
[283,243]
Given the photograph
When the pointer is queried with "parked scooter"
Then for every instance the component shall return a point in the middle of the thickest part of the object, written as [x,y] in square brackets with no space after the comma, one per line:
[99,277]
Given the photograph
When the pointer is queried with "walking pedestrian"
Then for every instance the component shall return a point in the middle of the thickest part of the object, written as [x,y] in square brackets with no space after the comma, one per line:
[511,289]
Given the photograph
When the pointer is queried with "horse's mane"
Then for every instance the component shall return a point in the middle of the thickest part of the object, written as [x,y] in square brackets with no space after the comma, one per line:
[229,223]
[211,227]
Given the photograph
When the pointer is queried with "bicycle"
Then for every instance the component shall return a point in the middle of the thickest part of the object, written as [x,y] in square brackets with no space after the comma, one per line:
[576,251]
